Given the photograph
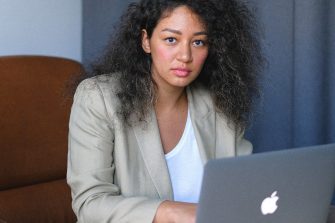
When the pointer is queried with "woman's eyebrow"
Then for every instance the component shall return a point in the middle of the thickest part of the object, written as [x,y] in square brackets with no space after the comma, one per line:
[179,32]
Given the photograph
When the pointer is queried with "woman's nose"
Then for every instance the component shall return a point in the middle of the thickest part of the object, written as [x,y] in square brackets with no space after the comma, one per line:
[185,53]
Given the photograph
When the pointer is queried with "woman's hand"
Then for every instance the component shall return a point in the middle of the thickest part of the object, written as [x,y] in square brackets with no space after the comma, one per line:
[175,212]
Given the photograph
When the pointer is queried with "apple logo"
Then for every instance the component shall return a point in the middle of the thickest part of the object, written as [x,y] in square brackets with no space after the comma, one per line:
[269,204]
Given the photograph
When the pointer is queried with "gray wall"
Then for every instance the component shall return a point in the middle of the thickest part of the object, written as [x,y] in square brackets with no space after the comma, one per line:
[47,27]
[99,18]
[298,84]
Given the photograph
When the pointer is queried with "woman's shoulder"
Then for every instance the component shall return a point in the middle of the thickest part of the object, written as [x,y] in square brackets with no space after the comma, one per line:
[104,82]
[101,89]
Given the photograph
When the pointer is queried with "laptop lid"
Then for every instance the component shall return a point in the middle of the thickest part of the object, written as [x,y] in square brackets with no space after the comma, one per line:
[291,186]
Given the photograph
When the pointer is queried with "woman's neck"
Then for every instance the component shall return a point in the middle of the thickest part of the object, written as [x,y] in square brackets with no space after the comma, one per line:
[168,101]
[171,113]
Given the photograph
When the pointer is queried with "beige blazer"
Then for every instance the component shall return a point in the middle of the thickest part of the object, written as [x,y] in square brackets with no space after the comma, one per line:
[119,173]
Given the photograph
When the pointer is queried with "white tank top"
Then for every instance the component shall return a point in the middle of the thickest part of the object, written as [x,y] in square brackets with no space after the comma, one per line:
[185,166]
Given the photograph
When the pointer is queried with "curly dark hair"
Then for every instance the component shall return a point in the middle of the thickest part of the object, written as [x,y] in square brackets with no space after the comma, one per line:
[230,72]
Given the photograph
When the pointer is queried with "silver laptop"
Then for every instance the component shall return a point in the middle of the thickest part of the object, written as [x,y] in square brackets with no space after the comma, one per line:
[287,186]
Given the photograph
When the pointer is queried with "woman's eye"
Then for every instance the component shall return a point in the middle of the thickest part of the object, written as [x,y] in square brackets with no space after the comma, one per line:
[198,43]
[170,40]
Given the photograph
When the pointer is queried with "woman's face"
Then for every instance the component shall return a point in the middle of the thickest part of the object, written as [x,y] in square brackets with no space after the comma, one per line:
[178,48]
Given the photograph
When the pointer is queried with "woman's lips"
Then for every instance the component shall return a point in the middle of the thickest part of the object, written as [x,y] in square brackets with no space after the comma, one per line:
[181,72]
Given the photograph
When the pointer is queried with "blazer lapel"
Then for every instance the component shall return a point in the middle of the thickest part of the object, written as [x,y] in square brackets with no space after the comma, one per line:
[203,120]
[149,142]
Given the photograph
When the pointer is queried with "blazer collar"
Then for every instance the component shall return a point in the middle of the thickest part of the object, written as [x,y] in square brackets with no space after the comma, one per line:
[149,141]
[203,119]
[150,144]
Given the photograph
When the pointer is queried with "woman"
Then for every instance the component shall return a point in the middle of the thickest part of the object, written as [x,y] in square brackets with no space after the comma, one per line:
[178,83]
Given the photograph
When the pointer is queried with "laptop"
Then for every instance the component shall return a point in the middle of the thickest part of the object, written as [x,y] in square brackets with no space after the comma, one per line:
[287,186]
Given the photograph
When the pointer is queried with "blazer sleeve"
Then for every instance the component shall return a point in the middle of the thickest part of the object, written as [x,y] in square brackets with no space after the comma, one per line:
[90,173]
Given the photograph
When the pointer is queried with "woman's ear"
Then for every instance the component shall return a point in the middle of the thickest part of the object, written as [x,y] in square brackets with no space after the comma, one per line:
[145,41]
